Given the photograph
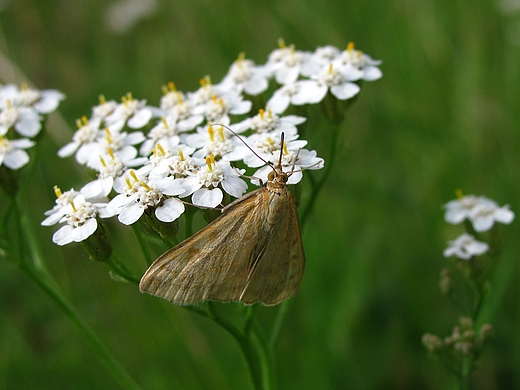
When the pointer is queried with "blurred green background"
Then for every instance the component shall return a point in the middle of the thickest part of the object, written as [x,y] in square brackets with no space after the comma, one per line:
[444,116]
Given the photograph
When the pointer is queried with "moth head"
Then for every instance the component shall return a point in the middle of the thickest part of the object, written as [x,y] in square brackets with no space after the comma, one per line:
[278,176]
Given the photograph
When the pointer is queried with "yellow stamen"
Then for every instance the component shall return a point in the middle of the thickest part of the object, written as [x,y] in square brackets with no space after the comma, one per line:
[160,149]
[350,46]
[127,98]
[73,206]
[285,150]
[128,183]
[102,99]
[211,133]
[330,68]
[205,82]
[134,176]
[459,194]
[102,161]
[221,133]
[269,113]
[240,60]
[181,155]
[8,104]
[261,113]
[25,87]
[210,162]
[108,135]
[270,140]
[57,191]
[281,43]
[145,185]
[111,153]
[165,122]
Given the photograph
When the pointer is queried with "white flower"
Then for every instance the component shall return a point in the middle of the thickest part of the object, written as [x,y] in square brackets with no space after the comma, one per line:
[163,163]
[293,157]
[209,141]
[326,54]
[84,138]
[25,120]
[282,97]
[12,154]
[245,76]
[204,94]
[140,194]
[43,102]
[133,112]
[61,208]
[465,247]
[218,108]
[171,97]
[269,122]
[103,109]
[484,215]
[120,142]
[204,184]
[288,64]
[481,211]
[338,80]
[164,133]
[111,167]
[80,217]
[361,61]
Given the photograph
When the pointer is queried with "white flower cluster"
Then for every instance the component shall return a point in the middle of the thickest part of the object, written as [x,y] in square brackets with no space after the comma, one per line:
[482,212]
[21,114]
[153,157]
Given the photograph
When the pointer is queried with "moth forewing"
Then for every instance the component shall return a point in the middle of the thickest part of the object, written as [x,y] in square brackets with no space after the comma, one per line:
[252,252]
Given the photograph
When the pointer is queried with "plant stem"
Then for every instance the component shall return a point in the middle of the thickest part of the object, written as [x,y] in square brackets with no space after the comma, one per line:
[253,347]
[32,264]
[142,244]
[45,282]
[317,187]
[119,269]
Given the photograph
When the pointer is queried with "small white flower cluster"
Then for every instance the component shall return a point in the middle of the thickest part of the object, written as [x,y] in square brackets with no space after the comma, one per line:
[21,114]
[482,212]
[153,157]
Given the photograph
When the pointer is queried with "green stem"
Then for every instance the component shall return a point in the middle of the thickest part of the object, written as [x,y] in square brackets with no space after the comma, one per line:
[119,269]
[252,346]
[317,187]
[142,244]
[45,282]
[31,263]
[278,323]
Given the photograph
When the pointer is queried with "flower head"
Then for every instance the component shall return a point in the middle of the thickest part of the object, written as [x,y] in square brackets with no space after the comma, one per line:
[481,211]
[465,247]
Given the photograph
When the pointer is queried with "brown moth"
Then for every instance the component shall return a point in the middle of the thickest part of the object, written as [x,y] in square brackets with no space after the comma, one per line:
[252,252]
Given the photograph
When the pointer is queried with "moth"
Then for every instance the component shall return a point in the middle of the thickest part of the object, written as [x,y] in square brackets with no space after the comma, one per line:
[252,252]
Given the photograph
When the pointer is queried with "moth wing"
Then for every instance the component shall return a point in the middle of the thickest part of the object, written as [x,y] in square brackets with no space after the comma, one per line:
[279,268]
[214,263]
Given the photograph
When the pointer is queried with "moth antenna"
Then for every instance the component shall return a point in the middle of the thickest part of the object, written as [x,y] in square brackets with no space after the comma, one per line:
[282,136]
[245,143]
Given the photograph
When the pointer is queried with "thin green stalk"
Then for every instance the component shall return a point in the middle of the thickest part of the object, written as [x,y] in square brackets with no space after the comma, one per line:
[278,323]
[142,244]
[317,187]
[253,348]
[119,269]
[31,263]
[45,282]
